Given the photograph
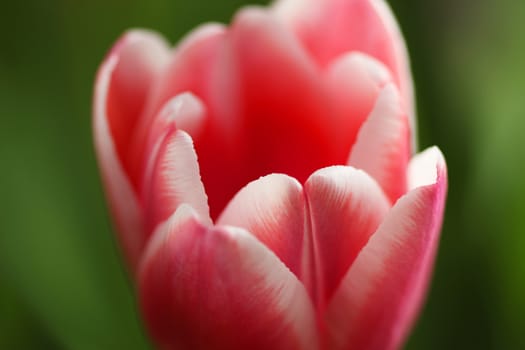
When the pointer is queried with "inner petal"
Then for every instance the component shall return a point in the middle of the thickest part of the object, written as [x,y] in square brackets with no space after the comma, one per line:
[368,27]
[283,123]
[318,231]
[270,107]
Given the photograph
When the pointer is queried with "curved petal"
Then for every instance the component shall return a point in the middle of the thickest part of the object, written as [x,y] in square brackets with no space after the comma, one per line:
[272,209]
[141,56]
[121,87]
[382,148]
[185,111]
[191,66]
[380,295]
[189,70]
[174,179]
[220,288]
[345,206]
[330,28]
[204,65]
[353,82]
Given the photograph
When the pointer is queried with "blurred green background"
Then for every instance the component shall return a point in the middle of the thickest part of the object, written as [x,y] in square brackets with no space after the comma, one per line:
[62,285]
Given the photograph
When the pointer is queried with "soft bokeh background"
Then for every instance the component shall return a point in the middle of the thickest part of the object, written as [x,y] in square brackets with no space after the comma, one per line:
[62,285]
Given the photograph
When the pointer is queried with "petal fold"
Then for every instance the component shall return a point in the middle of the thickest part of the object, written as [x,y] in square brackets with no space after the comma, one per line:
[207,287]
[382,292]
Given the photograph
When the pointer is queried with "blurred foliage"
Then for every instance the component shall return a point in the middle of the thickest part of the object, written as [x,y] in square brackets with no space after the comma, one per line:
[62,284]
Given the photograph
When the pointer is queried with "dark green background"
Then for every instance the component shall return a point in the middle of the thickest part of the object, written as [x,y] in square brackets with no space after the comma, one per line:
[62,284]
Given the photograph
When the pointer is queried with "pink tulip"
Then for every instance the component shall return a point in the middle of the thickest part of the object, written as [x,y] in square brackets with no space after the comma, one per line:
[262,182]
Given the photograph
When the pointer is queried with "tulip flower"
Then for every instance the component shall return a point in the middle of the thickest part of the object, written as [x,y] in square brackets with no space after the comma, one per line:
[263,182]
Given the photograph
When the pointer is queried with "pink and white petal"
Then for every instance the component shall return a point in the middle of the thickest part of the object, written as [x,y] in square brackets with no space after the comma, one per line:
[189,69]
[382,148]
[332,27]
[381,294]
[173,179]
[186,111]
[272,209]
[126,75]
[345,206]
[207,287]
[190,66]
[131,67]
[353,83]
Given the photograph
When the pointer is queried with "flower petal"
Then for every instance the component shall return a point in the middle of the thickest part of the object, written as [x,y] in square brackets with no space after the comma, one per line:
[272,209]
[353,83]
[345,206]
[330,28]
[382,148]
[122,86]
[140,57]
[220,288]
[189,70]
[383,290]
[280,92]
[185,111]
[191,66]
[174,179]
[204,65]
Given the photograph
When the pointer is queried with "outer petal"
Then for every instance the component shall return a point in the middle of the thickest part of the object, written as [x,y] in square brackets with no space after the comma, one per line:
[329,28]
[382,292]
[272,209]
[220,288]
[345,206]
[382,148]
[122,85]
